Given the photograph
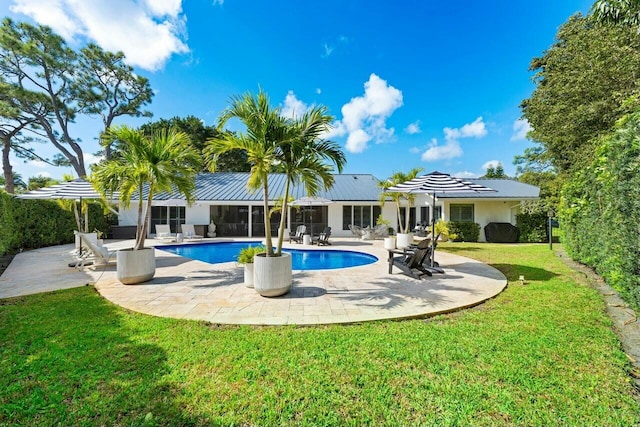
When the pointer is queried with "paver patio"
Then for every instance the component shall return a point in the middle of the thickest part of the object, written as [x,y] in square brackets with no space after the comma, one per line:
[184,288]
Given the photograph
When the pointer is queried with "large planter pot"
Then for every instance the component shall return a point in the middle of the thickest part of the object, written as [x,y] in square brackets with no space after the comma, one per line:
[389,242]
[136,266]
[248,275]
[272,276]
[404,240]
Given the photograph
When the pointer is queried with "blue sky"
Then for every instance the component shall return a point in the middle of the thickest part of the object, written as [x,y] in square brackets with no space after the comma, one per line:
[411,84]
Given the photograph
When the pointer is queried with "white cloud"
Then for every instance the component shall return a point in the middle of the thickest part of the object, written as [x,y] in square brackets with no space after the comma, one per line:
[327,50]
[520,129]
[451,147]
[91,159]
[357,141]
[491,164]
[465,174]
[415,150]
[218,2]
[413,128]
[449,150]
[367,115]
[318,91]
[147,31]
[44,174]
[293,107]
[38,164]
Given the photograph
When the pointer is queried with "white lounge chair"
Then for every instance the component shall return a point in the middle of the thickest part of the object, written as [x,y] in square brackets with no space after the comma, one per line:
[189,232]
[98,254]
[163,233]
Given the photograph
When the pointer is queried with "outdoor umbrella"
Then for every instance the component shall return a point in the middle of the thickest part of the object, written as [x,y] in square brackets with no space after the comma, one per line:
[437,183]
[77,189]
[311,201]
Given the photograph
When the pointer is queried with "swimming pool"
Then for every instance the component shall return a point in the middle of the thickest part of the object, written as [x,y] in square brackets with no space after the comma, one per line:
[302,259]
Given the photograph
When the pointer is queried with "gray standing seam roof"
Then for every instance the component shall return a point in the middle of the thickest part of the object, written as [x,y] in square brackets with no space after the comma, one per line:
[505,189]
[232,187]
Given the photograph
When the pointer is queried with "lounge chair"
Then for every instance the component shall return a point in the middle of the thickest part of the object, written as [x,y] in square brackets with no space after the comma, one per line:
[323,238]
[98,254]
[299,234]
[163,233]
[411,263]
[189,232]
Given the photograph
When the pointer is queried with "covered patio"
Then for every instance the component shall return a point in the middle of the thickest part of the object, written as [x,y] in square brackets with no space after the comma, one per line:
[184,288]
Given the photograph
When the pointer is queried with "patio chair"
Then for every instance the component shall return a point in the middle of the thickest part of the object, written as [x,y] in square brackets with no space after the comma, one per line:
[411,263]
[299,234]
[163,233]
[98,254]
[381,231]
[323,238]
[357,231]
[189,232]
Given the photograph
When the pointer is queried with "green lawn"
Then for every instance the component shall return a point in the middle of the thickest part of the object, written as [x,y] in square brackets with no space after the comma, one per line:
[539,354]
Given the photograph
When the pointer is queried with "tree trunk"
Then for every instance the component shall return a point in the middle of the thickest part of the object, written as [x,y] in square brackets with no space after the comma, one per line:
[7,168]
[283,219]
[267,224]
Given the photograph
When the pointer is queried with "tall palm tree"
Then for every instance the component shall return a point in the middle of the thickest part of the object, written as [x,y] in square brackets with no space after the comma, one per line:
[272,142]
[265,129]
[162,161]
[305,157]
[395,179]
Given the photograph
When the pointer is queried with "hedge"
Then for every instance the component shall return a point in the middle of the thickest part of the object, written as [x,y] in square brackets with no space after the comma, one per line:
[533,227]
[30,224]
[465,231]
[600,210]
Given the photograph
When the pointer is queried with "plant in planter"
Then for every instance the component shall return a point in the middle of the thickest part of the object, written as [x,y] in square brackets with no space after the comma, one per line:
[404,237]
[246,257]
[442,229]
[293,146]
[143,165]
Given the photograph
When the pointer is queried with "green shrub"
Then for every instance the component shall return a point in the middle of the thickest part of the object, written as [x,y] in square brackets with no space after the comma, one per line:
[600,210]
[31,223]
[533,227]
[247,254]
[464,231]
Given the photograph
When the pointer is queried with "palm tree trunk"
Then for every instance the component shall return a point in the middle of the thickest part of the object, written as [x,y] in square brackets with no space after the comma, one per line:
[399,216]
[407,217]
[267,224]
[143,232]
[283,219]
[139,223]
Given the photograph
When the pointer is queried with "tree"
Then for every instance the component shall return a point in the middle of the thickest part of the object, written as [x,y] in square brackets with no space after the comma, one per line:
[272,142]
[40,181]
[35,60]
[625,12]
[495,172]
[107,86]
[395,179]
[164,161]
[199,133]
[581,84]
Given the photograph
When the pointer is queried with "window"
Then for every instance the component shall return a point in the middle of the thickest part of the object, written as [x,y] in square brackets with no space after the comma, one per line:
[425,217]
[362,216]
[461,213]
[159,216]
[412,217]
[230,220]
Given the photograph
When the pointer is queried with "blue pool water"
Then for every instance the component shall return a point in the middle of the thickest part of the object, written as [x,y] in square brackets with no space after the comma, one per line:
[214,253]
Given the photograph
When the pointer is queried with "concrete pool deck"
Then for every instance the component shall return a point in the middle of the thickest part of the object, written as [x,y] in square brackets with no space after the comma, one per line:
[189,289]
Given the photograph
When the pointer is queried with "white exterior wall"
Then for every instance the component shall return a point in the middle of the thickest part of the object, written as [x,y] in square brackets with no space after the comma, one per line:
[128,216]
[485,211]
[197,214]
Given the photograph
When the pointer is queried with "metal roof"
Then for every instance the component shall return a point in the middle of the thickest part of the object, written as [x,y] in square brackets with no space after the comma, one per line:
[232,186]
[505,189]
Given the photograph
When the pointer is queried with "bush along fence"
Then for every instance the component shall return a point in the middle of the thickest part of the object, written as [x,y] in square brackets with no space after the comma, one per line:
[465,231]
[30,224]
[600,210]
[533,227]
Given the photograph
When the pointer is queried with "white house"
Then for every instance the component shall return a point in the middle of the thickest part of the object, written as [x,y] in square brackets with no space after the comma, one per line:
[223,198]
